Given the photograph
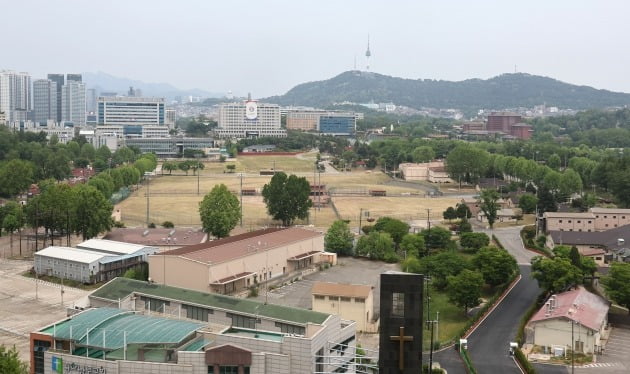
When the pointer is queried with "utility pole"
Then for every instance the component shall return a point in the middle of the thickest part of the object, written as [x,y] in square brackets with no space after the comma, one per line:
[148,193]
[360,216]
[428,230]
[241,175]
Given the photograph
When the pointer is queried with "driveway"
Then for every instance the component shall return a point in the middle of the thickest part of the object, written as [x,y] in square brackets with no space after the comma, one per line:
[616,356]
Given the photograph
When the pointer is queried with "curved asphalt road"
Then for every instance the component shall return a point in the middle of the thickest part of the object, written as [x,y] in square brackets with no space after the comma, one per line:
[488,345]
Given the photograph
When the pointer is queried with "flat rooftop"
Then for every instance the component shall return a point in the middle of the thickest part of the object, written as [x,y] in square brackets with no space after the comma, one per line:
[158,236]
[242,245]
[120,288]
[111,246]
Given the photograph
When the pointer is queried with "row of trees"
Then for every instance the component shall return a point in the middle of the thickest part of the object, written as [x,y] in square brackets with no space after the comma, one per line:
[184,166]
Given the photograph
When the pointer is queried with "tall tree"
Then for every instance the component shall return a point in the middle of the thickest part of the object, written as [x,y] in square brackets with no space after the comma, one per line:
[15,176]
[10,362]
[555,275]
[423,153]
[287,198]
[412,245]
[464,289]
[92,212]
[396,228]
[527,203]
[495,264]
[376,245]
[220,211]
[467,163]
[617,284]
[339,239]
[488,203]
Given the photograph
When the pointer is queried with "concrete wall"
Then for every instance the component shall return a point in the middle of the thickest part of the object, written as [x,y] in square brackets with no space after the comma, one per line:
[571,224]
[558,332]
[607,221]
[361,313]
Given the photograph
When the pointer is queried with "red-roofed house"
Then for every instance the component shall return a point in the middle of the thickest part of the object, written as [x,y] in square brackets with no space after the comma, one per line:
[551,326]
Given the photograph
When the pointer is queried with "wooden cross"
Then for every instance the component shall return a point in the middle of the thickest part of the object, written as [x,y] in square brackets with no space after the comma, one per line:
[401,339]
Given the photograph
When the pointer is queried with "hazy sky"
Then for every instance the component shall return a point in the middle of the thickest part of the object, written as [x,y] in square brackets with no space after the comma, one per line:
[267,47]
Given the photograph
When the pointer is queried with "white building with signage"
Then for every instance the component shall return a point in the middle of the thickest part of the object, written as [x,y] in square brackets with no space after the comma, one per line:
[249,119]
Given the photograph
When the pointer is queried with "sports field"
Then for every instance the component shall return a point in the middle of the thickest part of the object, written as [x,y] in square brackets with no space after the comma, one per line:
[176,197]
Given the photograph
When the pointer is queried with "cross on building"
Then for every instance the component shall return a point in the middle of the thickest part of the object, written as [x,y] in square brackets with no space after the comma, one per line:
[401,338]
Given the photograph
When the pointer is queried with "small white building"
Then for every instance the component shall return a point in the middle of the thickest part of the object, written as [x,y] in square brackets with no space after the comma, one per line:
[92,261]
[573,318]
[350,301]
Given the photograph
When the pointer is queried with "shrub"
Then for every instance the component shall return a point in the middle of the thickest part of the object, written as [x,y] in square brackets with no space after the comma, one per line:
[168,224]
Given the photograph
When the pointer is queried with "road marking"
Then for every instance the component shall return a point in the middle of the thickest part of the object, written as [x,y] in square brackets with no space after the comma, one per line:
[601,365]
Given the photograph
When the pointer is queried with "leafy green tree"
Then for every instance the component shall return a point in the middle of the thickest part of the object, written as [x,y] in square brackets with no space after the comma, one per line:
[10,362]
[463,211]
[15,176]
[74,148]
[123,155]
[104,153]
[436,238]
[464,289]
[412,245]
[546,201]
[617,283]
[396,228]
[287,198]
[169,166]
[450,213]
[440,265]
[467,163]
[88,151]
[220,211]
[495,264]
[554,161]
[570,182]
[464,226]
[184,166]
[423,154]
[377,246]
[527,203]
[489,205]
[474,240]
[103,184]
[555,275]
[92,212]
[339,239]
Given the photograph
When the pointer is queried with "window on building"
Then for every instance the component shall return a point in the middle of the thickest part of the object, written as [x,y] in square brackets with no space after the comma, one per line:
[359,300]
[154,305]
[589,221]
[560,221]
[198,313]
[569,221]
[320,297]
[319,361]
[579,221]
[333,298]
[614,216]
[346,299]
[598,258]
[290,329]
[398,304]
[242,321]
[227,370]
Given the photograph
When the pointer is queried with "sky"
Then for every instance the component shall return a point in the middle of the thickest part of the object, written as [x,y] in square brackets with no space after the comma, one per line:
[268,47]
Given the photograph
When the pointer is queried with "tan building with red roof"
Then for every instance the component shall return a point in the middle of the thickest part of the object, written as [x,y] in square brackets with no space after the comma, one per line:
[233,264]
[573,317]
[163,238]
[350,301]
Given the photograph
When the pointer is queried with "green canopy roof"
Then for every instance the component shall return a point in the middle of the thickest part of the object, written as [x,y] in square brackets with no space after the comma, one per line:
[120,288]
[109,328]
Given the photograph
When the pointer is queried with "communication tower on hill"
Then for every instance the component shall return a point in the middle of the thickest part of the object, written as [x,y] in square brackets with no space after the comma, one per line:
[368,54]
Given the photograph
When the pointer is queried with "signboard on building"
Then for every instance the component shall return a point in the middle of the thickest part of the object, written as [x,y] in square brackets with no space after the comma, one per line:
[251,110]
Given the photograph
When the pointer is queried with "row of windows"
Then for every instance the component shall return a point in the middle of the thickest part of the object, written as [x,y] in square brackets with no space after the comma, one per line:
[227,370]
[198,313]
[290,329]
[343,299]
[242,321]
[569,221]
[154,305]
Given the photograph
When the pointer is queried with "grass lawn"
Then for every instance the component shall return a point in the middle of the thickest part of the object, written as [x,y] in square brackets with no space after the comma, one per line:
[452,318]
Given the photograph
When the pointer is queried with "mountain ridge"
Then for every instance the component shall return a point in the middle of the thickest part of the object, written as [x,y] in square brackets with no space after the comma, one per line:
[510,90]
[107,82]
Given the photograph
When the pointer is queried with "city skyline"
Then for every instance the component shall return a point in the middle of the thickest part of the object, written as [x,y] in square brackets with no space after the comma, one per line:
[269,48]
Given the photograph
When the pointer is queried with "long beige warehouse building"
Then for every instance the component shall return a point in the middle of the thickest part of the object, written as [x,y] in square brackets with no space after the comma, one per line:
[233,264]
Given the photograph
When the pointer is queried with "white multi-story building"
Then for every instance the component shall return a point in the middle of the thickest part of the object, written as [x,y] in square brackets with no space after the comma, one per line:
[131,111]
[15,95]
[64,133]
[171,118]
[44,100]
[249,119]
[73,103]
[3,118]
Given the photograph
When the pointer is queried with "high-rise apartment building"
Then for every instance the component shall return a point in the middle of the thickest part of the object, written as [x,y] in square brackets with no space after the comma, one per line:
[131,111]
[73,103]
[15,95]
[249,119]
[44,100]
[60,82]
[74,78]
[91,100]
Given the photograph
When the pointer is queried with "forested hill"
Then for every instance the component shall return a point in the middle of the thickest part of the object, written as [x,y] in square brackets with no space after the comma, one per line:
[504,91]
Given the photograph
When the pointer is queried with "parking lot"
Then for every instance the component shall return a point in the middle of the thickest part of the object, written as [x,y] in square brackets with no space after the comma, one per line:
[348,270]
[27,305]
